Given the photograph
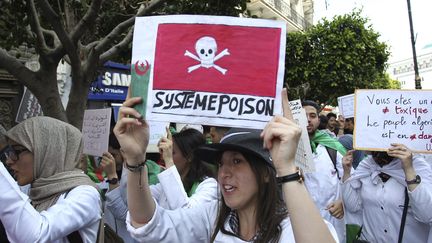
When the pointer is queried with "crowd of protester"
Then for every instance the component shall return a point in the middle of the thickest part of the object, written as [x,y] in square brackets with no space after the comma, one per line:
[215,184]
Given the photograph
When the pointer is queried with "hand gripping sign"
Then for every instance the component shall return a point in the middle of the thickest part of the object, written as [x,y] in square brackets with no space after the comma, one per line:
[210,70]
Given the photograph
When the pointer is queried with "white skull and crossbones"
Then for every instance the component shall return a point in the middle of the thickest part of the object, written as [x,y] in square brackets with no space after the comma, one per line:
[206,48]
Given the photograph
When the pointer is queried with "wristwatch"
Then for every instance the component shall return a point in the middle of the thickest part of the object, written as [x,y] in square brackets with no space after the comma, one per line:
[113,181]
[416,180]
[297,176]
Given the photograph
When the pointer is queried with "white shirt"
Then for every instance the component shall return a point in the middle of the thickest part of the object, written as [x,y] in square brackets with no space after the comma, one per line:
[79,210]
[323,186]
[381,203]
[195,225]
[169,193]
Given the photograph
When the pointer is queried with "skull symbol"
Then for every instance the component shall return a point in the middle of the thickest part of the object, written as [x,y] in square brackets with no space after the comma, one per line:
[206,48]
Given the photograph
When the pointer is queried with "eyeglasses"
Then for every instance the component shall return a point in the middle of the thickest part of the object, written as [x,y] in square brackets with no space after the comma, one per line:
[10,153]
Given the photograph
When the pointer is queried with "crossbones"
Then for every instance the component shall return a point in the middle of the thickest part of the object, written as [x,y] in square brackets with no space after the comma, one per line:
[206,48]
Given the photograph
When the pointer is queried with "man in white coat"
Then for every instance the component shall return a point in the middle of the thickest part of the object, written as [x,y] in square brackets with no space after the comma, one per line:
[324,184]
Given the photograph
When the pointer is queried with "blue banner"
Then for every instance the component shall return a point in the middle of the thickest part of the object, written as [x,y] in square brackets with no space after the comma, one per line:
[112,84]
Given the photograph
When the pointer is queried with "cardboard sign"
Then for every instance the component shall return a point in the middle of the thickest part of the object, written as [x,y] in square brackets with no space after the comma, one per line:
[383,117]
[96,129]
[29,107]
[211,70]
[303,157]
[346,105]
[157,131]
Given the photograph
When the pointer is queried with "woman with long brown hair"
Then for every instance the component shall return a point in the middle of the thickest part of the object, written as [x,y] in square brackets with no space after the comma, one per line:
[250,208]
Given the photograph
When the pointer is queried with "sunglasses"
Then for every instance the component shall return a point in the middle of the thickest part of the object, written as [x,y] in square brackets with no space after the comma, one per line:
[10,153]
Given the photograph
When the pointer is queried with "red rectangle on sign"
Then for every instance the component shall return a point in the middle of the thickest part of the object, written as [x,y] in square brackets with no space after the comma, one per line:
[217,58]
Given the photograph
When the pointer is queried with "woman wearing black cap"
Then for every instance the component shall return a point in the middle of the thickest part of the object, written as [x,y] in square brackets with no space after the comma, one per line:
[250,208]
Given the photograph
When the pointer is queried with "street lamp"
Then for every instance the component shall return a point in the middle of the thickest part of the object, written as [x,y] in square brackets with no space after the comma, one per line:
[416,71]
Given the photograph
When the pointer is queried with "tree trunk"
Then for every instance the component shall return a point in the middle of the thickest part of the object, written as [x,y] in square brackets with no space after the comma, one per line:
[77,100]
[46,91]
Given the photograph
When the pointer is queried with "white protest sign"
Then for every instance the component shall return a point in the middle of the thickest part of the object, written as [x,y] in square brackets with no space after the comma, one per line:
[96,129]
[304,152]
[212,70]
[346,105]
[383,117]
[157,131]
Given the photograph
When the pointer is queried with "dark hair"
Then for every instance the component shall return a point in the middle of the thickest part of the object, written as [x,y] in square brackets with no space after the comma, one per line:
[323,122]
[113,142]
[187,141]
[311,103]
[381,158]
[351,119]
[331,114]
[271,209]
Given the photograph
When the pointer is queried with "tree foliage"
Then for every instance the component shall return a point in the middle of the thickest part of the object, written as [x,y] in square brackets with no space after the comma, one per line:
[334,58]
[84,33]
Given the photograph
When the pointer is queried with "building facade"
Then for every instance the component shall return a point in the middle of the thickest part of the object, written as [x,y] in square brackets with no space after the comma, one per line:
[403,71]
[298,14]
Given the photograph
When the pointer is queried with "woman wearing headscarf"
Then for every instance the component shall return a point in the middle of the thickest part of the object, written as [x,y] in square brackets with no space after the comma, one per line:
[63,202]
[382,187]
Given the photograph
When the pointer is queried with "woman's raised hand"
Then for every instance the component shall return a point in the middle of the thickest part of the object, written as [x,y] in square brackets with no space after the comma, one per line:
[347,161]
[132,132]
[109,165]
[281,136]
[403,153]
[165,148]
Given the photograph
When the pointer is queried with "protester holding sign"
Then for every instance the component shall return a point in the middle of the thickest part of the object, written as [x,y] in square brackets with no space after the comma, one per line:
[194,180]
[186,182]
[384,187]
[63,202]
[250,208]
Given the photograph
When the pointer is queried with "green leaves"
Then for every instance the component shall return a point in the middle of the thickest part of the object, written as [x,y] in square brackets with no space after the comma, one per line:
[335,57]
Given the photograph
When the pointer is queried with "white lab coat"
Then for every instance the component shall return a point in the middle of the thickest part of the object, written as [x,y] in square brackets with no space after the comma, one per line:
[195,225]
[169,193]
[323,186]
[79,210]
[381,204]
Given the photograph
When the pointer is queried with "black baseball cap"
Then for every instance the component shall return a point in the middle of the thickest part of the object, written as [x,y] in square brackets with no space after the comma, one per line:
[247,141]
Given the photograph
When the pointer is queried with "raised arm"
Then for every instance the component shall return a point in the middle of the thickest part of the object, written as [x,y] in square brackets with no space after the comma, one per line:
[132,133]
[281,137]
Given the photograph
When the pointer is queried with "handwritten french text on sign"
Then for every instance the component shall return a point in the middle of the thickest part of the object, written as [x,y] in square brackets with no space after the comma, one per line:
[383,117]
[346,105]
[304,152]
[209,70]
[96,129]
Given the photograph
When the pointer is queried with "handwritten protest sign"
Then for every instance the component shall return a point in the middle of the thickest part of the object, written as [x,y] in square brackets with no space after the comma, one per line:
[157,131]
[211,70]
[96,129]
[346,105]
[29,107]
[383,117]
[304,152]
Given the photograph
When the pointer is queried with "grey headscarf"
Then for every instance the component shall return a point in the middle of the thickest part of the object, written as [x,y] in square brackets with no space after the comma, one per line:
[57,148]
